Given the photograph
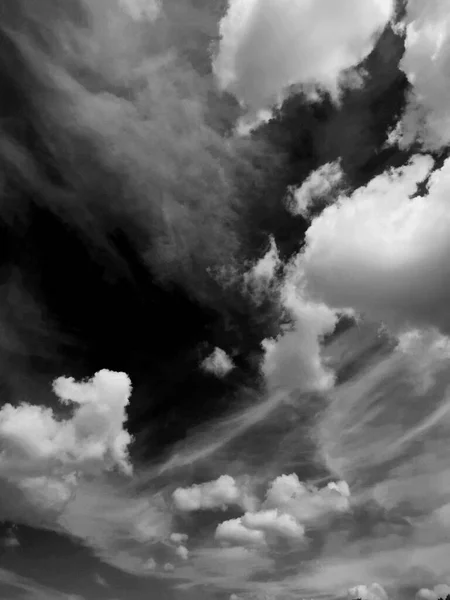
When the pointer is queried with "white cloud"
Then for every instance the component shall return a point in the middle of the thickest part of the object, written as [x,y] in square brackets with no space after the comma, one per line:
[44,456]
[218,363]
[426,63]
[179,538]
[307,503]
[293,361]
[234,532]
[439,591]
[274,522]
[211,495]
[364,592]
[150,565]
[264,270]
[169,568]
[266,45]
[383,253]
[182,552]
[317,186]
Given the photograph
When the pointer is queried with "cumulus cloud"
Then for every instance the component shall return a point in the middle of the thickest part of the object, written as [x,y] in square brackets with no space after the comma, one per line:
[364,592]
[218,363]
[92,440]
[267,45]
[211,495]
[426,63]
[43,455]
[383,250]
[179,538]
[182,552]
[235,532]
[272,521]
[439,591]
[318,186]
[293,361]
[307,503]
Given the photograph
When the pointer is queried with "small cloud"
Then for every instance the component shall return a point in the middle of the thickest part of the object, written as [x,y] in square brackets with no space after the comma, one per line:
[364,592]
[218,363]
[101,581]
[439,591]
[234,532]
[182,552]
[273,522]
[179,538]
[150,565]
[169,568]
[307,503]
[212,495]
[318,186]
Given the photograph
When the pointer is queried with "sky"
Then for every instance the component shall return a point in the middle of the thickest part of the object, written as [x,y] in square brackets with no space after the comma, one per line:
[224,333]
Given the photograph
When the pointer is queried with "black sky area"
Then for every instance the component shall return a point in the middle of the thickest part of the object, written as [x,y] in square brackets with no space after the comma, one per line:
[82,284]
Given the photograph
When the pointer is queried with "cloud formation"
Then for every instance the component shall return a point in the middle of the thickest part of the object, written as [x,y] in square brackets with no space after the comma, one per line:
[267,45]
[218,363]
[364,592]
[211,495]
[318,187]
[383,250]
[425,62]
[293,361]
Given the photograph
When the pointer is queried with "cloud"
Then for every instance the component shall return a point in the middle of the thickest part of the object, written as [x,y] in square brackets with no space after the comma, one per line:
[267,45]
[182,552]
[293,361]
[307,503]
[44,455]
[179,538]
[439,591]
[425,62]
[212,495]
[364,592]
[317,187]
[236,533]
[383,251]
[273,522]
[218,363]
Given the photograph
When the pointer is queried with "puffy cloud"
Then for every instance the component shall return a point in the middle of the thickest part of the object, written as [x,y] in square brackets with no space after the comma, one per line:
[317,187]
[364,592]
[383,252]
[44,455]
[271,521]
[179,538]
[264,270]
[218,363]
[182,552]
[211,495]
[426,63]
[307,503]
[92,440]
[235,532]
[293,361]
[267,45]
[439,591]
[168,567]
